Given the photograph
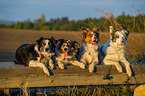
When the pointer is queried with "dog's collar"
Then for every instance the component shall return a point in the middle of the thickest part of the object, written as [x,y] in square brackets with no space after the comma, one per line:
[41,57]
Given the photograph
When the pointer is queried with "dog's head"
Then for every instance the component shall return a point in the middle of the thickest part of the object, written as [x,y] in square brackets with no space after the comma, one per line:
[73,49]
[118,37]
[75,45]
[66,46]
[90,37]
[46,44]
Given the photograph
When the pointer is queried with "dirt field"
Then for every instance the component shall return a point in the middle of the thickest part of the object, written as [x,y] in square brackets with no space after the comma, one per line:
[11,39]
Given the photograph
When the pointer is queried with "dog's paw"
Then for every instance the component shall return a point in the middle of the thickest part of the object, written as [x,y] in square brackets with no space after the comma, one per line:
[120,70]
[129,73]
[46,71]
[52,66]
[83,66]
[91,69]
[61,66]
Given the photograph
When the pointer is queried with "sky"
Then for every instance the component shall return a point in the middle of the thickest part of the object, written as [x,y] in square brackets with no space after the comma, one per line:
[21,10]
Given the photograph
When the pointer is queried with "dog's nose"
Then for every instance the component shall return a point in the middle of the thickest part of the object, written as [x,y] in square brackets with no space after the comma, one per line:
[65,49]
[46,49]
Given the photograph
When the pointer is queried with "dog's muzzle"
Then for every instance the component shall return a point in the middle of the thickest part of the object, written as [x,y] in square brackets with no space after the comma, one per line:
[65,49]
[46,49]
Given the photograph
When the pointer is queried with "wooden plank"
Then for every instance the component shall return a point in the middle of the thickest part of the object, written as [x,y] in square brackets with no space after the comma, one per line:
[13,76]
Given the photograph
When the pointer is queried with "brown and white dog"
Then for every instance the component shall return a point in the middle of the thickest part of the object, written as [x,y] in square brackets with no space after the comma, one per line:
[88,52]
[65,53]
[112,53]
[36,55]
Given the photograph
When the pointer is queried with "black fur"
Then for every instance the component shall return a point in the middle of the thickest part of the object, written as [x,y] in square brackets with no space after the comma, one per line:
[26,52]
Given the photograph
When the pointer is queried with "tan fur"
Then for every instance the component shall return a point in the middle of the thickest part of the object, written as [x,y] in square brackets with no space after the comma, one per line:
[88,53]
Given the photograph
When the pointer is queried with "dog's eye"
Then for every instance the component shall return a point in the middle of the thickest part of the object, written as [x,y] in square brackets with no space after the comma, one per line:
[117,36]
[90,35]
[67,45]
[49,43]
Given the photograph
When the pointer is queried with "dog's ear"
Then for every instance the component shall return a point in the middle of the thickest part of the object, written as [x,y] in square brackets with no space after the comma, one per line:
[126,33]
[75,44]
[112,29]
[53,41]
[60,40]
[96,30]
[84,29]
[39,40]
[84,32]
[59,43]
[112,32]
[52,44]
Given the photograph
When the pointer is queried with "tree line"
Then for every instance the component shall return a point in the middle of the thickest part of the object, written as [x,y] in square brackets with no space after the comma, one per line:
[136,23]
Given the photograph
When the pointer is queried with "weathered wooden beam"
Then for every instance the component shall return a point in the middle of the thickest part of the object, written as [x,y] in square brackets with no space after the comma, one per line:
[14,76]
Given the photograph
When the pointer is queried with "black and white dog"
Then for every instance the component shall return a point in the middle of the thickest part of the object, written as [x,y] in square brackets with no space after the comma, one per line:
[88,52]
[36,55]
[65,53]
[112,53]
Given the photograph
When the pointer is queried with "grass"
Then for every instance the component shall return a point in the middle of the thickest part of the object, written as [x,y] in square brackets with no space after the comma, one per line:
[108,90]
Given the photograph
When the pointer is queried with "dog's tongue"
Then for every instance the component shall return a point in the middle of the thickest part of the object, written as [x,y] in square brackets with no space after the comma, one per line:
[65,54]
[94,43]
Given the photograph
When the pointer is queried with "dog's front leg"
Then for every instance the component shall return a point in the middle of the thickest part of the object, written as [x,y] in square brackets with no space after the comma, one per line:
[51,64]
[80,64]
[111,62]
[34,63]
[92,66]
[83,58]
[127,65]
[60,64]
[93,61]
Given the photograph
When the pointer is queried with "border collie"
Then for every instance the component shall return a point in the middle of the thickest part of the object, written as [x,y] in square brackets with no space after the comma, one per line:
[65,53]
[36,55]
[112,53]
[88,52]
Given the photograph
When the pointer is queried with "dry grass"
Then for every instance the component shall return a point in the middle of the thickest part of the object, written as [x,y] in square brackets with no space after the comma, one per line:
[108,90]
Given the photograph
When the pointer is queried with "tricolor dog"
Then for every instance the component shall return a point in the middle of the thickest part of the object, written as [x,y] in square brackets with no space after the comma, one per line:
[65,53]
[36,55]
[88,52]
[112,53]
